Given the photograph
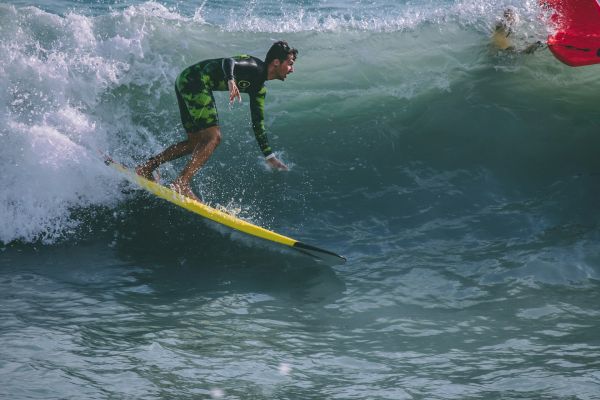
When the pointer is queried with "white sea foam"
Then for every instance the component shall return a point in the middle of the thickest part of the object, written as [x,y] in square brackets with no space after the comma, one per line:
[57,69]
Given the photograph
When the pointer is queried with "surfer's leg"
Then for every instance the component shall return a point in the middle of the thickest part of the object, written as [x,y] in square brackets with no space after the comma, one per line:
[204,142]
[198,113]
[145,170]
[170,153]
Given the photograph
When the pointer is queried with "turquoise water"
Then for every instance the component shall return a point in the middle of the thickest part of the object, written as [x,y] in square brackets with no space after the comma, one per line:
[462,184]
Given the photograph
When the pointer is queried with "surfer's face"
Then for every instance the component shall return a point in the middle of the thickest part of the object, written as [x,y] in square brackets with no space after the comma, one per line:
[283,68]
[510,18]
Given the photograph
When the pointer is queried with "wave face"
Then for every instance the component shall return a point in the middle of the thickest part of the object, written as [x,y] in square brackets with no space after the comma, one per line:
[461,182]
[387,98]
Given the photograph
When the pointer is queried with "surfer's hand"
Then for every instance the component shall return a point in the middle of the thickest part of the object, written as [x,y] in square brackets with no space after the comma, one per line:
[275,163]
[533,47]
[234,92]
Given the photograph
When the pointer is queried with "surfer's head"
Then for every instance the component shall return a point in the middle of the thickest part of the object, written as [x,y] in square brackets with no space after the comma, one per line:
[280,60]
[507,23]
[510,17]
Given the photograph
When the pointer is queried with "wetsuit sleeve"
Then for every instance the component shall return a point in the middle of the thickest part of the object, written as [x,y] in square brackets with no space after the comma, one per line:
[257,111]
[228,64]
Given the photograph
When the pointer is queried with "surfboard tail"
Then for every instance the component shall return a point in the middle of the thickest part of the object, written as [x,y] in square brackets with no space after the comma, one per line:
[325,256]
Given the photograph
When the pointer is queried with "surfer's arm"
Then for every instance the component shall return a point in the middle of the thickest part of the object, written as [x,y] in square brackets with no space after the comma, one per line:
[228,65]
[533,47]
[257,111]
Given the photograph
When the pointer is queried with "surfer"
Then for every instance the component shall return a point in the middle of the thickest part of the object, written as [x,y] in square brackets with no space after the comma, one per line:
[194,87]
[505,27]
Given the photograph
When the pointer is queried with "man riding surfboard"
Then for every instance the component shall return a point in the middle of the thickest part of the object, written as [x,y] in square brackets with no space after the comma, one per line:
[194,87]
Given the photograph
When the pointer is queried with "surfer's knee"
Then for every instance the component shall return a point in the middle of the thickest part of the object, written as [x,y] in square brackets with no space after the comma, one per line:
[212,136]
[216,136]
[206,136]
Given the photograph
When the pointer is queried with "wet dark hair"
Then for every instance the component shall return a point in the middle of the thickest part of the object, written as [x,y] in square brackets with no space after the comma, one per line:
[280,51]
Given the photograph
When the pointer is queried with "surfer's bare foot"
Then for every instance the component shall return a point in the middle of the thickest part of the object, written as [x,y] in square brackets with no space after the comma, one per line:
[145,171]
[185,190]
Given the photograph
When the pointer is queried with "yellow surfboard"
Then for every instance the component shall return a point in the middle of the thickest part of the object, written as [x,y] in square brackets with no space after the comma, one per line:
[224,218]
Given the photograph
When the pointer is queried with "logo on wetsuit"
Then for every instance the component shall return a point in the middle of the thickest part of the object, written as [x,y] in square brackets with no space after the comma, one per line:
[244,84]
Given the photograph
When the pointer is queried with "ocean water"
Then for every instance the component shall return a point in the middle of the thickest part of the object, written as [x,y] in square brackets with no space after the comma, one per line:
[462,184]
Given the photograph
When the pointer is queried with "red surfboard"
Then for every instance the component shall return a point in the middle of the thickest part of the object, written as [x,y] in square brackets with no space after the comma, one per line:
[576,41]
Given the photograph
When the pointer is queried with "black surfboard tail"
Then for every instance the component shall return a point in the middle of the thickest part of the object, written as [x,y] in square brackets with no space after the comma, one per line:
[325,256]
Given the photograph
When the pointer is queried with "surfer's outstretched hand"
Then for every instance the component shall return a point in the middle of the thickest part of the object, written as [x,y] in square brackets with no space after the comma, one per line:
[275,163]
[234,92]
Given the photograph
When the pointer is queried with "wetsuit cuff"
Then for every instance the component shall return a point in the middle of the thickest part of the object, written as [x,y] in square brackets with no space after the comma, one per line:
[272,155]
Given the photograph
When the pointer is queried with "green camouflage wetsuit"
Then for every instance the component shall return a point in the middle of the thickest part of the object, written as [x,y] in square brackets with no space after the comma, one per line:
[194,87]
